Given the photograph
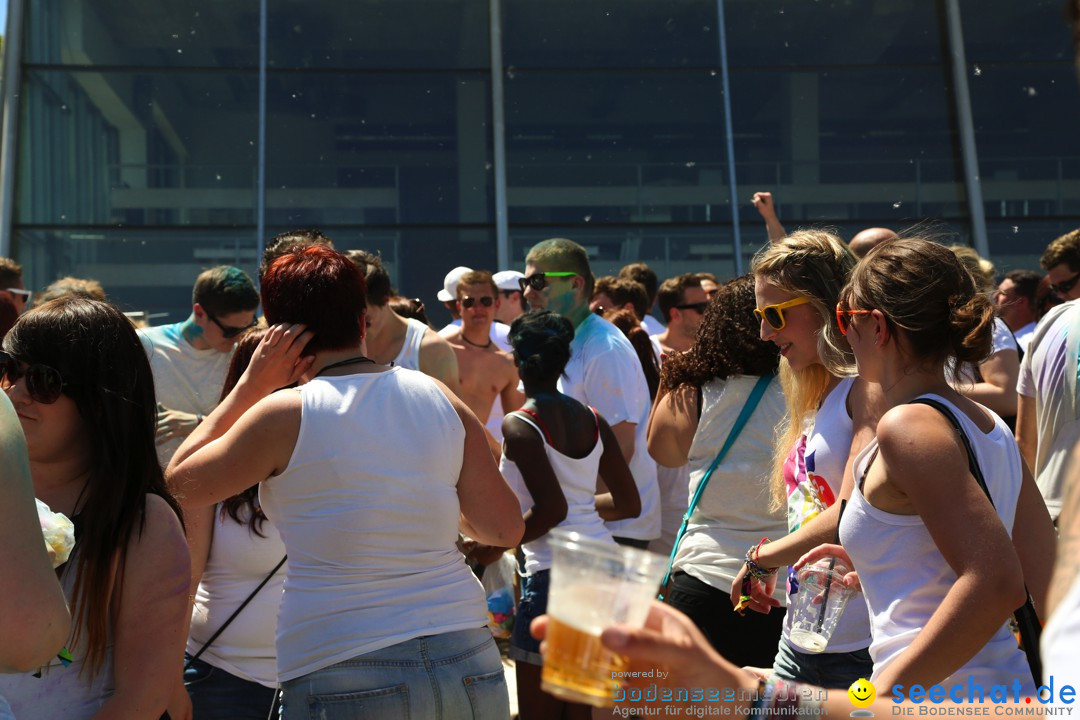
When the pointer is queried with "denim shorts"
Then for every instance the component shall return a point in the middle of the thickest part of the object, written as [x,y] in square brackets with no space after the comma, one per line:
[455,675]
[534,596]
[827,670]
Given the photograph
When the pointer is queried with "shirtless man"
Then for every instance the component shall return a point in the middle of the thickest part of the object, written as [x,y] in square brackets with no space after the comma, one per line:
[485,371]
[405,342]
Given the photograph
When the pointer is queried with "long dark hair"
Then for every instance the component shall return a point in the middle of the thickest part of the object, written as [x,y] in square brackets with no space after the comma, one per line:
[243,505]
[106,372]
[727,341]
[631,327]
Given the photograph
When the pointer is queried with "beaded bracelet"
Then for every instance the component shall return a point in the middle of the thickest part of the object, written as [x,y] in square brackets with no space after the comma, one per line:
[753,569]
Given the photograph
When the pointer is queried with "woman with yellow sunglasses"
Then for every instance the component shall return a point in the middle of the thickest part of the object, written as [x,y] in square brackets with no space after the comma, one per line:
[830,418]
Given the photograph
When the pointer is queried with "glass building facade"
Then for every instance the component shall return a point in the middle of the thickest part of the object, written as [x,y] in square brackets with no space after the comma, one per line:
[144,142]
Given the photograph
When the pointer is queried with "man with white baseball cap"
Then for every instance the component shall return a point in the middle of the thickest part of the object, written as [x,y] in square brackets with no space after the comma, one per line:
[512,305]
[448,295]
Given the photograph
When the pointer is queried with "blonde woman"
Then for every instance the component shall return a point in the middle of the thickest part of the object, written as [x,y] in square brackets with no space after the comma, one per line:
[830,418]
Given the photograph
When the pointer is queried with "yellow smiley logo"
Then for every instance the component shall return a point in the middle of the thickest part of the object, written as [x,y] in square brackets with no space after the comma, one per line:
[862,693]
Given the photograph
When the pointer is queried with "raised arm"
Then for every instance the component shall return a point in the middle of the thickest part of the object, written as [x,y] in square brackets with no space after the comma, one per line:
[34,619]
[763,201]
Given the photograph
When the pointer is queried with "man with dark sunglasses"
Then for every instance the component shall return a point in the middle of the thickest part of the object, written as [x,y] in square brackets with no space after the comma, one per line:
[488,374]
[190,358]
[682,303]
[1047,426]
[604,371]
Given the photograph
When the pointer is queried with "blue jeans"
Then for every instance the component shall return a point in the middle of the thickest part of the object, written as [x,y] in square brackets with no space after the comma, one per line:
[534,597]
[219,695]
[827,670]
[453,676]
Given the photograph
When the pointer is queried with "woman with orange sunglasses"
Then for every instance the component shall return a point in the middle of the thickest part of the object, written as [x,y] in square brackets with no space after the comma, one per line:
[830,417]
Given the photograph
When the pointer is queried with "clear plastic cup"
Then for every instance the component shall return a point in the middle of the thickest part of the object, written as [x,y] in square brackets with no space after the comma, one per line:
[817,606]
[593,585]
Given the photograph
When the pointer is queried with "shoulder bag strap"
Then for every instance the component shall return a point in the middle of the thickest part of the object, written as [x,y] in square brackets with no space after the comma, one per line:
[1027,619]
[740,422]
[236,612]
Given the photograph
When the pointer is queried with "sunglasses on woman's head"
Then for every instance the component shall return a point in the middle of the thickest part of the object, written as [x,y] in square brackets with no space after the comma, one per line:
[774,314]
[843,317]
[538,281]
[44,384]
[486,300]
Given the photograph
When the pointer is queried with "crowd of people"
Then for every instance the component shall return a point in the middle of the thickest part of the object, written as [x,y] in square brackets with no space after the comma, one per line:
[283,502]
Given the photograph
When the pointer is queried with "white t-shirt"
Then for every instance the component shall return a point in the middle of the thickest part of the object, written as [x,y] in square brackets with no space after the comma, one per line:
[605,373]
[239,560]
[652,325]
[1061,638]
[1042,377]
[370,520]
[904,576]
[733,512]
[1023,335]
[185,378]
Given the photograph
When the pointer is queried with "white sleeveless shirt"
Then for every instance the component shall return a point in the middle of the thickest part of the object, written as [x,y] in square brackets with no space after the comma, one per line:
[60,692]
[733,512]
[577,478]
[239,560]
[904,576]
[368,511]
[813,476]
[1061,638]
[409,355]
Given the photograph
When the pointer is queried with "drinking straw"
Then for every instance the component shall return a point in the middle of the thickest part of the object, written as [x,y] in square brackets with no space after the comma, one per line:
[828,582]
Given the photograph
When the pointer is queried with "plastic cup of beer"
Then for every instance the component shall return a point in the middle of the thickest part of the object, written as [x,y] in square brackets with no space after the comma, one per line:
[820,601]
[593,585]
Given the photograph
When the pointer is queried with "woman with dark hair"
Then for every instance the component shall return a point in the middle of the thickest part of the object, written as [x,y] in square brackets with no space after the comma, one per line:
[81,384]
[237,560]
[380,616]
[631,327]
[703,393]
[941,565]
[553,449]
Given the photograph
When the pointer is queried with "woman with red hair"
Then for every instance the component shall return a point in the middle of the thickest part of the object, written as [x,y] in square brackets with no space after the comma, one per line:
[380,616]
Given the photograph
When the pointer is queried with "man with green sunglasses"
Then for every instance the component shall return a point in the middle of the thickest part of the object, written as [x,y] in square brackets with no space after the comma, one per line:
[603,372]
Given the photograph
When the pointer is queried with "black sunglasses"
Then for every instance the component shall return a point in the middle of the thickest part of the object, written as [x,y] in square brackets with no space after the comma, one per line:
[699,307]
[538,281]
[228,332]
[44,384]
[1063,287]
[467,302]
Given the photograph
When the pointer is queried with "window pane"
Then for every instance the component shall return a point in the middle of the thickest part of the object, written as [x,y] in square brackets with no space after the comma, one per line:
[1023,31]
[615,147]
[137,148]
[149,271]
[801,34]
[610,33]
[187,33]
[378,149]
[378,34]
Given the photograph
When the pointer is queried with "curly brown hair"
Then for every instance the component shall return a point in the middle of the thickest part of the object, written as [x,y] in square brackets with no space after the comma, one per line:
[728,341]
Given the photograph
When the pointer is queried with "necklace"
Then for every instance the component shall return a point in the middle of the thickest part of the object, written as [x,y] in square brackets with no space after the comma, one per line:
[343,363]
[482,347]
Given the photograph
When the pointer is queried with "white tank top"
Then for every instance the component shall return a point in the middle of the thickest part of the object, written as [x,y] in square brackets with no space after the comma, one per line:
[1061,638]
[368,511]
[577,478]
[409,356]
[897,559]
[239,560]
[813,475]
[733,512]
[60,692]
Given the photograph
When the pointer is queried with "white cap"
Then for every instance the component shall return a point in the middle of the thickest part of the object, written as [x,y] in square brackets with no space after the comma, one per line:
[508,280]
[450,283]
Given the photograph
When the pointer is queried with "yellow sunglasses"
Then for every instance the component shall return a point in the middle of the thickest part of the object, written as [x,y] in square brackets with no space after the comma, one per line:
[774,314]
